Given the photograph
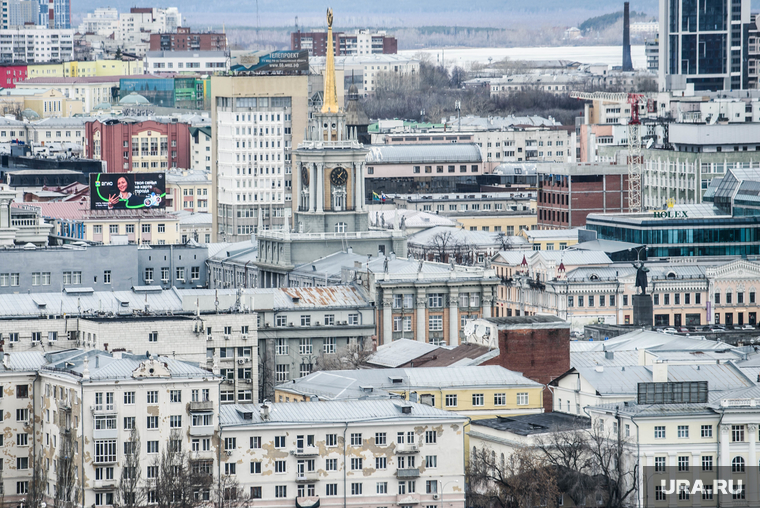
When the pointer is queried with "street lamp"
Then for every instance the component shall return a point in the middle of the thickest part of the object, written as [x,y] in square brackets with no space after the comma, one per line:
[444,488]
[643,248]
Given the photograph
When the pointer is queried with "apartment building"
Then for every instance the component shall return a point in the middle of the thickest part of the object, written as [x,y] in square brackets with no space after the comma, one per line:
[367,71]
[185,40]
[189,190]
[36,45]
[200,148]
[361,42]
[137,25]
[76,417]
[191,62]
[257,122]
[345,453]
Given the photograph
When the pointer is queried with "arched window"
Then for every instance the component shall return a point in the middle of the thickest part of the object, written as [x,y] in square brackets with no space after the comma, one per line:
[340,227]
[737,465]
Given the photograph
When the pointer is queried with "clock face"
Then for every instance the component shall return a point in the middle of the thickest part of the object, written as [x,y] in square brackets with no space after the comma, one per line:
[339,176]
[305,176]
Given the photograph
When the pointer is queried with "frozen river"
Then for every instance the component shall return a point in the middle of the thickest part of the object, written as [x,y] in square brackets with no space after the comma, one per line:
[610,55]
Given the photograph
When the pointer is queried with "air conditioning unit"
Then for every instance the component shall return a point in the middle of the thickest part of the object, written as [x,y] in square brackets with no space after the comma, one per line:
[245,337]
[290,324]
[344,322]
[228,452]
[316,323]
[435,496]
[226,337]
[209,337]
[249,381]
[241,361]
[51,342]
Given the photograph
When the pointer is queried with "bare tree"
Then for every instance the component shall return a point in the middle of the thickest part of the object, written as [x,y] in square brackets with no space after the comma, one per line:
[66,490]
[524,479]
[176,483]
[266,369]
[130,493]
[345,358]
[442,244]
[568,452]
[37,484]
[229,493]
[617,471]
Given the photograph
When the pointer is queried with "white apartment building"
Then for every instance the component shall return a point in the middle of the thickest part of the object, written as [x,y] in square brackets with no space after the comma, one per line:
[200,148]
[56,130]
[359,453]
[90,403]
[36,45]
[136,26]
[538,144]
[192,62]
[364,69]
[91,90]
[104,21]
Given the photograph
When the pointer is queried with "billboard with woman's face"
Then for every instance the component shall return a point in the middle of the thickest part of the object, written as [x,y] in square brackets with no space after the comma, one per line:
[125,191]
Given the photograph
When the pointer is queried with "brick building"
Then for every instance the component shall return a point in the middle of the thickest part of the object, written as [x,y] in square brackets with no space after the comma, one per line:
[147,146]
[11,74]
[567,193]
[361,42]
[185,40]
[536,346]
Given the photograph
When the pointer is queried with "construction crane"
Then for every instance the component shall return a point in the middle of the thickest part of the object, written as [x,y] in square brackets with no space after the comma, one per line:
[635,100]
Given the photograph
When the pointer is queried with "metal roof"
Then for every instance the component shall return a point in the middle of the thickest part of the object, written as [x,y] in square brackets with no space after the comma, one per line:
[24,360]
[594,358]
[644,339]
[331,412]
[561,234]
[424,153]
[399,352]
[472,238]
[318,297]
[347,384]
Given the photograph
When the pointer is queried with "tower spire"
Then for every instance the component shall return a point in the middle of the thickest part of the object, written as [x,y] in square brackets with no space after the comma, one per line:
[330,96]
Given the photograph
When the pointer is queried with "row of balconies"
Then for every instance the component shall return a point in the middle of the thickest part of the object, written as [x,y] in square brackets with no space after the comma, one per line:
[313,476]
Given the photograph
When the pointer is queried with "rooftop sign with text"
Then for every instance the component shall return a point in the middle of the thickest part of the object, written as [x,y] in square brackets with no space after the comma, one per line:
[276,63]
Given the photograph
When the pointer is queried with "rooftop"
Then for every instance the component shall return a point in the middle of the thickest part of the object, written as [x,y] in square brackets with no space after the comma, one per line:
[424,153]
[354,384]
[330,412]
[526,425]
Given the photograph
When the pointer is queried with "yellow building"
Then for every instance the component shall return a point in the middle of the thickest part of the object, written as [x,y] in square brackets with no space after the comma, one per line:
[153,230]
[510,224]
[474,391]
[45,103]
[190,190]
[77,69]
[551,239]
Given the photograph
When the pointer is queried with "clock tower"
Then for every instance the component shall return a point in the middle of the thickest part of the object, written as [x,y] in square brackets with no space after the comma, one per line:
[329,166]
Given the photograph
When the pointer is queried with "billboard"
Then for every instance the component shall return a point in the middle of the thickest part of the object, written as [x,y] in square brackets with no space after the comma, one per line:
[277,62]
[127,191]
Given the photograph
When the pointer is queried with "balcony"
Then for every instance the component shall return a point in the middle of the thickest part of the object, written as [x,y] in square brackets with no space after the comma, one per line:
[408,473]
[202,430]
[105,484]
[202,406]
[407,448]
[307,476]
[306,451]
[406,499]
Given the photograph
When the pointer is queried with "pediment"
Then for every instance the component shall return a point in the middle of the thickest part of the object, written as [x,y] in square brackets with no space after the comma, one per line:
[739,269]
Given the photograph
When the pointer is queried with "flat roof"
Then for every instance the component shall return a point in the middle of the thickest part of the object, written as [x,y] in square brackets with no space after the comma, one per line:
[525,425]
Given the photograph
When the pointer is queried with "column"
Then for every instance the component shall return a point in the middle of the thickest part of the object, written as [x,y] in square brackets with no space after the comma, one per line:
[387,319]
[320,188]
[360,180]
[672,468]
[420,332]
[355,180]
[696,467]
[487,302]
[454,317]
[312,187]
[752,487]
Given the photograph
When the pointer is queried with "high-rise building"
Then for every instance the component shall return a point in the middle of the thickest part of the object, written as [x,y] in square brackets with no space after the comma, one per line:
[256,122]
[704,44]
[61,14]
[361,42]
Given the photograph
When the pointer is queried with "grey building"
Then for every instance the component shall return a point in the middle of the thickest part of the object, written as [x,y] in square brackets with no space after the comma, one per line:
[101,267]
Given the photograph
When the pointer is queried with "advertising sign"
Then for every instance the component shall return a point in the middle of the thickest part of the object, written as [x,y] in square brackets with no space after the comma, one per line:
[278,62]
[127,191]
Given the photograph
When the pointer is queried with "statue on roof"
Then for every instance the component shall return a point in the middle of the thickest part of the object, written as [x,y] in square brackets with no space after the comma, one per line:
[641,276]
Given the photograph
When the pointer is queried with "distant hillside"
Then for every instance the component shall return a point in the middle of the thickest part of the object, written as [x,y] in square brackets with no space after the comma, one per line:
[599,23]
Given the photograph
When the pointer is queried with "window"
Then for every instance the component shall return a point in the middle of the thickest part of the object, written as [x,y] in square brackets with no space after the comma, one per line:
[153,337]
[282,373]
[152,447]
[280,491]
[382,487]
[129,398]
[175,421]
[706,431]
[174,395]
[659,432]
[500,399]
[431,486]
[152,422]
[451,400]
[707,463]
[331,464]
[683,462]
[737,433]
[435,323]
[331,440]
[279,441]
[477,399]
[381,462]
[152,397]
[105,451]
[522,399]
[737,465]
[230,443]
[431,461]
[331,489]
[430,437]
[683,431]
[435,300]
[380,438]
[659,464]
[356,439]
[353,319]
[357,464]
[356,489]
